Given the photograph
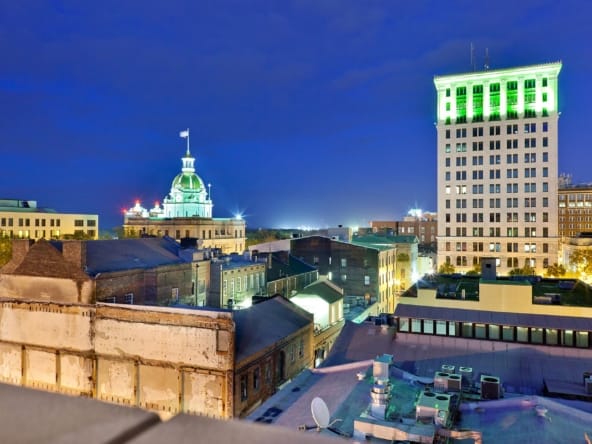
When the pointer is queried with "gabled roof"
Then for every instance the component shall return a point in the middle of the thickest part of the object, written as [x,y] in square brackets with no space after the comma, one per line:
[43,259]
[323,289]
[266,323]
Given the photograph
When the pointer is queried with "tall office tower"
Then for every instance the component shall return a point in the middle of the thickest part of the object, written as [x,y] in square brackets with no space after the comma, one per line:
[497,167]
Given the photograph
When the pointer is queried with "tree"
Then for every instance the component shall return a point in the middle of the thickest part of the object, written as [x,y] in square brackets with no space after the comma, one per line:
[527,270]
[5,250]
[446,268]
[582,260]
[475,271]
[555,270]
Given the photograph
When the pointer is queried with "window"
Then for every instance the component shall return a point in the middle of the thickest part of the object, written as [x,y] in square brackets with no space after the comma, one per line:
[175,294]
[447,148]
[301,348]
[343,262]
[366,280]
[243,388]
[78,223]
[545,172]
[256,378]
[545,127]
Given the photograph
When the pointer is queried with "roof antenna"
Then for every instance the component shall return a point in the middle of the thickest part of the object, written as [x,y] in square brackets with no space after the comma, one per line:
[486,66]
[473,57]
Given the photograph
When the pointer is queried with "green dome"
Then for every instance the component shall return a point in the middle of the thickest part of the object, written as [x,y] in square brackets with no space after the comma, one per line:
[188,181]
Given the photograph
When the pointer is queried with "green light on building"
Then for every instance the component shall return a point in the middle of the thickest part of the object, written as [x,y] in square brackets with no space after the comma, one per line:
[524,92]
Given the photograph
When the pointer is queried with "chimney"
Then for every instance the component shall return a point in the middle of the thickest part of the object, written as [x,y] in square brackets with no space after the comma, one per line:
[20,247]
[74,251]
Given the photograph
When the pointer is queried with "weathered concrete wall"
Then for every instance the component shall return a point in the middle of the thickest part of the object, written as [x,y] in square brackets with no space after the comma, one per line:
[46,289]
[51,325]
[169,360]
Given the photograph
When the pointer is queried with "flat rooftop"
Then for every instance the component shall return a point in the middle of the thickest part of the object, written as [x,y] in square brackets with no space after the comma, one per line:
[521,368]
[571,291]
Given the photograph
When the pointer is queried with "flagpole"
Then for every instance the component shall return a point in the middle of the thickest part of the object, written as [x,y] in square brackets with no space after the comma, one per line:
[188,140]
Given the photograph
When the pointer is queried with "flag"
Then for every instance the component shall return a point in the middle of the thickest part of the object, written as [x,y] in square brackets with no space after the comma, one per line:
[184,134]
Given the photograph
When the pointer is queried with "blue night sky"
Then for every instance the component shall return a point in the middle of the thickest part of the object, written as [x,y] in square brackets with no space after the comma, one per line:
[304,112]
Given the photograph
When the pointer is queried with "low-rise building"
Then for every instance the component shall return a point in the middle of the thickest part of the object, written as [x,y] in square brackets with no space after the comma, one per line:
[362,271]
[287,274]
[132,271]
[211,362]
[324,300]
[23,219]
[234,280]
[527,310]
[274,342]
[406,246]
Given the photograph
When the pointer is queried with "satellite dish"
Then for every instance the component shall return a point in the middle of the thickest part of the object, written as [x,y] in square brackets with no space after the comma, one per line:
[320,413]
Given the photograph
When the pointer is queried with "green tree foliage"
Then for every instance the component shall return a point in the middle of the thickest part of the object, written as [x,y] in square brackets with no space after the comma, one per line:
[446,268]
[582,260]
[5,250]
[555,270]
[527,270]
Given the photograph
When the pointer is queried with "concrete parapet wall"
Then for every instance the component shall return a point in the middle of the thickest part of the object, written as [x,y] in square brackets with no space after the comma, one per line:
[167,360]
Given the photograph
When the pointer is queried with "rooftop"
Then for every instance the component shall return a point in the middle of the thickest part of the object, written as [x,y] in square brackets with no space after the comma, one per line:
[572,292]
[344,383]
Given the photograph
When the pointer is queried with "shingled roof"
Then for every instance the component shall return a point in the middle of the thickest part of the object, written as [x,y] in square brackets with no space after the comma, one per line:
[43,259]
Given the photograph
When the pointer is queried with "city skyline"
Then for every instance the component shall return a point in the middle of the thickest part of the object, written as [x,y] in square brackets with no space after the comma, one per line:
[301,113]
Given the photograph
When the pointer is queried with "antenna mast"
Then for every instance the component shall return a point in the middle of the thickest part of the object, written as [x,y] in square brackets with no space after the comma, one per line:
[486,66]
[472,56]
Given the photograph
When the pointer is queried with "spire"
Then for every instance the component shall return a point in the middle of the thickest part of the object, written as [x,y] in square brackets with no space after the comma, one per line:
[188,160]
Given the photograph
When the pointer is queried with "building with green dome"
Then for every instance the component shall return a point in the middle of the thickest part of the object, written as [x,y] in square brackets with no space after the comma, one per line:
[186,212]
[188,196]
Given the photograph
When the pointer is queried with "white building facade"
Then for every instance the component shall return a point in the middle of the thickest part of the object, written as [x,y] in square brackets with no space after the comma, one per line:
[497,167]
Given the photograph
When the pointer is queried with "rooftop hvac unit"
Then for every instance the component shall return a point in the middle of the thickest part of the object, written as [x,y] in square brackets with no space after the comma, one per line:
[490,387]
[588,386]
[380,368]
[441,381]
[448,368]
[467,375]
[454,383]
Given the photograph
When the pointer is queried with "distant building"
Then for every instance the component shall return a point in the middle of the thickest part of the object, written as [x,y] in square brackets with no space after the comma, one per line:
[497,155]
[418,223]
[405,270]
[23,219]
[287,274]
[365,272]
[575,210]
[187,213]
[234,280]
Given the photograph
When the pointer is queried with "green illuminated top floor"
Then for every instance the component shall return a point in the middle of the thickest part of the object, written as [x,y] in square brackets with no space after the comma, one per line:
[522,92]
